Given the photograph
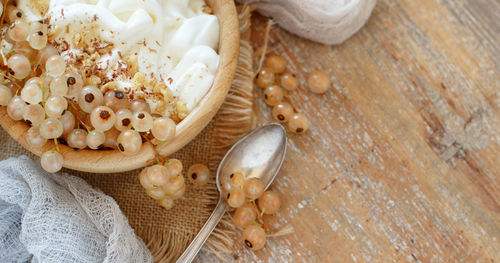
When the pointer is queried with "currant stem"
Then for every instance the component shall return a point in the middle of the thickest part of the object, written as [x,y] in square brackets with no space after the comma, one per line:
[266,42]
[56,144]
[85,126]
[256,223]
[158,158]
[291,103]
[260,217]
[43,86]
[76,113]
[12,81]
[4,11]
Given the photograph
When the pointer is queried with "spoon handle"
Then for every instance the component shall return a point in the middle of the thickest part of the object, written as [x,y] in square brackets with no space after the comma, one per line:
[193,248]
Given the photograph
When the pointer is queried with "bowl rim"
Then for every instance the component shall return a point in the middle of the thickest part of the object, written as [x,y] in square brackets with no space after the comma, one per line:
[112,161]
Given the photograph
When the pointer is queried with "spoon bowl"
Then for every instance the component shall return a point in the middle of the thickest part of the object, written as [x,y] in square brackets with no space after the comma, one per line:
[258,154]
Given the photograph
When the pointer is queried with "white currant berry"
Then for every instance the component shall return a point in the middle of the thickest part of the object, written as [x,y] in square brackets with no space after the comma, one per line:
[59,86]
[95,139]
[39,26]
[38,39]
[179,193]
[236,198]
[123,120]
[55,106]
[253,188]
[298,123]
[269,202]
[33,114]
[51,128]
[174,185]
[102,118]
[158,175]
[276,63]
[167,203]
[139,105]
[34,139]
[15,108]
[129,142]
[163,128]
[198,174]
[13,13]
[319,82]
[46,53]
[75,84]
[89,98]
[283,111]
[52,161]
[156,193]
[32,93]
[142,121]
[18,31]
[68,121]
[77,139]
[116,100]
[55,65]
[5,95]
[244,215]
[20,66]
[254,237]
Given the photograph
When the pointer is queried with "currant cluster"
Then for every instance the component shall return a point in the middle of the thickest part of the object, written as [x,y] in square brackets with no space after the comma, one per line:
[277,81]
[251,203]
[165,182]
[38,87]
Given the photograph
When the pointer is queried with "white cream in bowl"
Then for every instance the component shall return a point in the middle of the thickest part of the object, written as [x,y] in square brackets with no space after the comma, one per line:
[173,42]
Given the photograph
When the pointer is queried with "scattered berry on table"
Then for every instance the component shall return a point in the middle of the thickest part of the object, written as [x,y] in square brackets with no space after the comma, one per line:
[319,82]
[276,63]
[298,123]
[254,237]
[273,95]
[198,174]
[283,111]
[236,198]
[289,81]
[244,215]
[269,202]
[236,180]
[253,188]
[265,78]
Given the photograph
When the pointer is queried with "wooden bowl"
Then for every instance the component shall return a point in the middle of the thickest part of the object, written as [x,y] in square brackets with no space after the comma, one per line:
[112,161]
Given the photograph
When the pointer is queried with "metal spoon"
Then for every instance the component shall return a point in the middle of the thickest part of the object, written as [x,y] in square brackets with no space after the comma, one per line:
[258,154]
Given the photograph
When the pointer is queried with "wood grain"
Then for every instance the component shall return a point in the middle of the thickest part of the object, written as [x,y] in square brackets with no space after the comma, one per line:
[402,161]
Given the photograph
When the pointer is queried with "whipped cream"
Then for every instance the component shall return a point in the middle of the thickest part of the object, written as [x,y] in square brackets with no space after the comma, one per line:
[172,41]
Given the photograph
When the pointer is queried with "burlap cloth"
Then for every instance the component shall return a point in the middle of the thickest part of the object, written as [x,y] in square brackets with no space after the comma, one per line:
[168,233]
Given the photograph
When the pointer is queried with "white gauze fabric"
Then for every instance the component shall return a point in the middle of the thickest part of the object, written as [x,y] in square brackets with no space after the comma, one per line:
[325,21]
[60,218]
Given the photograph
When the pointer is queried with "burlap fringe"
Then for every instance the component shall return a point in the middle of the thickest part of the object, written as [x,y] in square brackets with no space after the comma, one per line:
[165,246]
[234,119]
[262,52]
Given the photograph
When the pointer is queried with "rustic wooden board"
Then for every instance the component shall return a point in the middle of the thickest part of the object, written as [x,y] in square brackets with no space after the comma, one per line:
[402,163]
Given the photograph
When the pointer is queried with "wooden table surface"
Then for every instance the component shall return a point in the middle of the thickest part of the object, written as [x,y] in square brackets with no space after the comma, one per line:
[402,162]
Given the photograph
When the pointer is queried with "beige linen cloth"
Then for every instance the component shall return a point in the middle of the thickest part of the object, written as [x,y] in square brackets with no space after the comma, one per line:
[325,21]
